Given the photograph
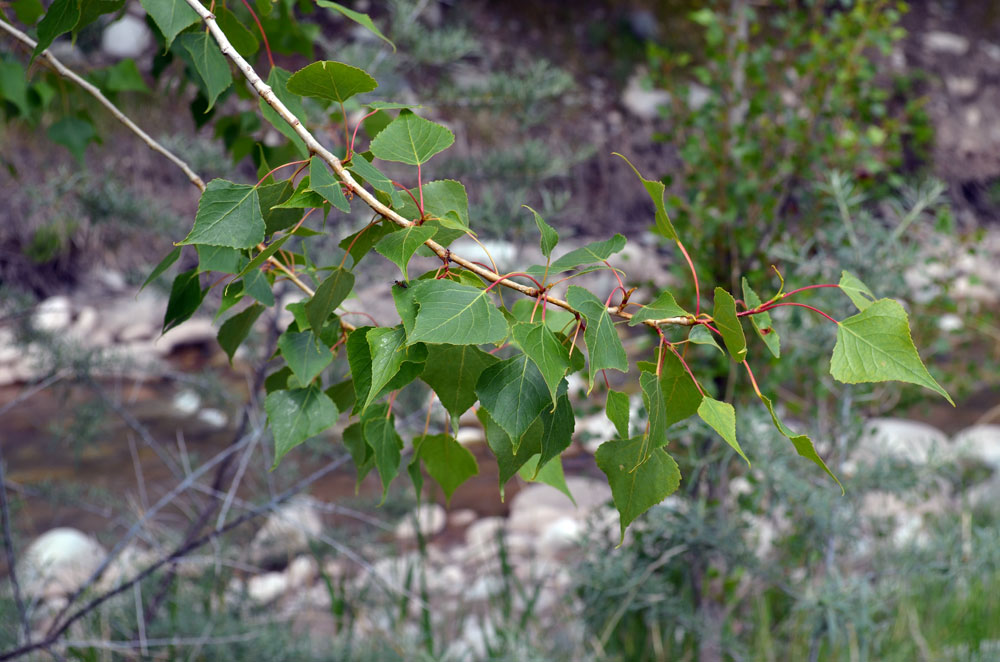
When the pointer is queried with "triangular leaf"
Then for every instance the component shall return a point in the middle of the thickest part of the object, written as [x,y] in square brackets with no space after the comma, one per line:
[186,296]
[604,347]
[875,346]
[509,460]
[761,322]
[455,314]
[700,335]
[380,433]
[305,353]
[655,190]
[729,324]
[557,429]
[164,264]
[662,307]
[297,415]
[220,259]
[544,349]
[656,412]
[803,444]
[549,236]
[303,197]
[448,462]
[722,418]
[235,330]
[856,291]
[228,215]
[361,452]
[411,139]
[361,19]
[170,16]
[59,19]
[277,80]
[400,246]
[330,294]
[453,371]
[617,410]
[597,251]
[680,394]
[636,490]
[208,62]
[551,473]
[388,350]
[334,81]
[323,182]
[514,393]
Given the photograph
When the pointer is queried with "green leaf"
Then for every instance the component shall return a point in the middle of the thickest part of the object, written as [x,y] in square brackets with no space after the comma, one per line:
[124,77]
[856,291]
[235,330]
[380,433]
[402,297]
[361,452]
[617,410]
[656,411]
[364,169]
[453,371]
[761,322]
[556,433]
[297,415]
[509,460]
[446,205]
[330,294]
[243,40]
[359,357]
[514,393]
[655,191]
[14,86]
[545,351]
[604,347]
[221,259]
[455,314]
[74,134]
[556,319]
[185,297]
[361,242]
[551,473]
[271,195]
[597,251]
[91,10]
[261,257]
[361,19]
[333,81]
[342,394]
[164,264]
[700,335]
[803,444]
[635,491]
[277,380]
[170,16]
[324,183]
[277,80]
[411,139]
[549,236]
[259,287]
[228,215]
[303,198]
[729,324]
[59,19]
[722,418]
[209,63]
[875,346]
[232,294]
[400,246]
[680,394]
[662,307]
[387,347]
[305,353]
[448,462]
[28,11]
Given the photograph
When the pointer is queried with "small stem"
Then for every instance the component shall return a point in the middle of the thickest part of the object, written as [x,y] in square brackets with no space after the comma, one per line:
[753,380]
[427,421]
[607,303]
[407,191]
[357,312]
[516,273]
[576,331]
[615,272]
[686,367]
[659,352]
[808,287]
[263,36]
[347,131]
[356,237]
[420,188]
[350,149]
[273,170]
[800,305]
[392,401]
[694,275]
[604,373]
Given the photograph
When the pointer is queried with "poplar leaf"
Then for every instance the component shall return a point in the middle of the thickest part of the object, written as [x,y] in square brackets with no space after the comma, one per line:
[388,350]
[617,410]
[510,459]
[453,372]
[411,139]
[761,322]
[303,197]
[208,62]
[551,473]
[875,346]
[228,215]
[164,264]
[399,246]
[277,80]
[856,291]
[361,19]
[729,324]
[221,259]
[597,251]
[59,19]
[380,433]
[362,241]
[235,330]
[700,335]
[333,81]
[636,490]
[296,415]
[330,294]
[803,444]
[722,418]
[655,190]
[549,236]
[681,396]
[170,16]
[514,393]
[656,411]
[448,462]
[361,452]
[546,352]
[185,297]
[323,182]
[663,306]
[604,347]
[305,353]
[455,314]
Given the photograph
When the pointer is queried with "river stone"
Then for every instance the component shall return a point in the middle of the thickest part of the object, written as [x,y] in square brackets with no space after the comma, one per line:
[126,37]
[266,588]
[981,442]
[195,331]
[302,571]
[53,315]
[641,99]
[286,532]
[462,517]
[59,562]
[898,439]
[430,518]
[947,43]
[559,536]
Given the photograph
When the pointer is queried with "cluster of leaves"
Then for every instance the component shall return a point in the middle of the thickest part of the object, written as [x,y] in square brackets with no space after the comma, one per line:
[455,334]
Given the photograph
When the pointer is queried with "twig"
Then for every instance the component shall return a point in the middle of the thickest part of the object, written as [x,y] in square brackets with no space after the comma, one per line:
[8,545]
[28,393]
[97,94]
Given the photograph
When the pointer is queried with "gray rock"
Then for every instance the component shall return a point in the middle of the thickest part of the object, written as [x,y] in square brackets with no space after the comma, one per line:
[898,439]
[127,37]
[53,315]
[945,43]
[642,100]
[265,589]
[981,442]
[287,532]
[430,521]
[59,562]
[963,87]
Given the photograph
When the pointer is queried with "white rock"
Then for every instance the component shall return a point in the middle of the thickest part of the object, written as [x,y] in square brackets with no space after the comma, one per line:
[483,532]
[899,439]
[301,571]
[430,520]
[937,41]
[286,532]
[9,351]
[961,86]
[992,50]
[462,517]
[698,96]
[559,536]
[981,442]
[450,580]
[186,402]
[470,436]
[126,37]
[949,322]
[642,100]
[213,417]
[195,331]
[139,330]
[533,520]
[59,562]
[53,315]
[266,588]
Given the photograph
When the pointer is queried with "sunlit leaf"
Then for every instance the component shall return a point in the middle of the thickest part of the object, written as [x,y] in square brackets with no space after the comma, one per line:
[636,489]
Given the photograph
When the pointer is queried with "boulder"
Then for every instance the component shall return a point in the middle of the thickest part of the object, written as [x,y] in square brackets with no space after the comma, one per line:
[265,589]
[58,563]
[980,442]
[286,533]
[53,315]
[127,37]
[945,43]
[428,518]
[898,439]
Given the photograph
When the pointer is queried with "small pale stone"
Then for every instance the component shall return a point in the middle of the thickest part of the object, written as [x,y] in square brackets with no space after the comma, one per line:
[266,588]
[981,442]
[430,518]
[53,315]
[470,436]
[462,517]
[213,418]
[301,571]
[58,562]
[286,532]
[126,37]
[937,41]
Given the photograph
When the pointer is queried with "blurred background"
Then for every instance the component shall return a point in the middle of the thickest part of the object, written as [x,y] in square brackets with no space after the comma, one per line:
[810,136]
